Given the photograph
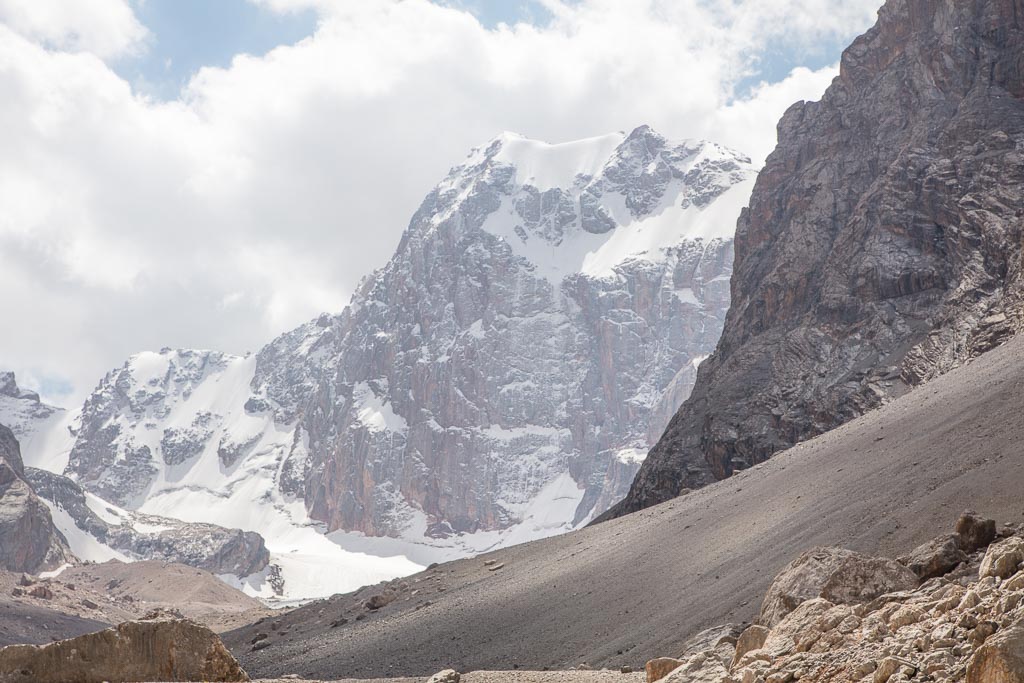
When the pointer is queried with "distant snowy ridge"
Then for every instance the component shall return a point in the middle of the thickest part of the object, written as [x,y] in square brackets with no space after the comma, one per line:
[500,380]
[41,429]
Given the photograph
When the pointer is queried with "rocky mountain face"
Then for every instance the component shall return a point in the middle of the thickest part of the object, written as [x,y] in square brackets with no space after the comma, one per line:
[882,245]
[534,326]
[149,537]
[541,320]
[29,542]
[98,530]
[149,421]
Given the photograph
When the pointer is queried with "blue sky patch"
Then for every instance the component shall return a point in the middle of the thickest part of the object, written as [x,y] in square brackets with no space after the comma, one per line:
[188,34]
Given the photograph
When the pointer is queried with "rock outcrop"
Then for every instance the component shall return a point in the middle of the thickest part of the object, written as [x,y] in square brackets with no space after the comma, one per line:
[954,627]
[29,542]
[975,532]
[1003,559]
[150,537]
[1001,658]
[936,557]
[156,650]
[882,245]
[21,410]
[833,574]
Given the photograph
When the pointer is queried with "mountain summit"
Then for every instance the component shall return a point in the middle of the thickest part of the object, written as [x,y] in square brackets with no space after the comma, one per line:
[499,380]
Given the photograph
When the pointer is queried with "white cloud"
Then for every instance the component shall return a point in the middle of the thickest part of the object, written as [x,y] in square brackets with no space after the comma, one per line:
[107,28]
[267,191]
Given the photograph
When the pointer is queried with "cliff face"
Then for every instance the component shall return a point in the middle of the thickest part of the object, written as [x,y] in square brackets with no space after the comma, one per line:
[882,245]
[29,542]
[543,313]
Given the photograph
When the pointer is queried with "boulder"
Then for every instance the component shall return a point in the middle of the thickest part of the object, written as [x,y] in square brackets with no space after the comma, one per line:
[375,602]
[719,640]
[1003,559]
[711,639]
[700,668]
[783,637]
[889,667]
[657,669]
[169,650]
[936,557]
[752,638]
[445,676]
[835,574]
[42,592]
[975,532]
[1001,658]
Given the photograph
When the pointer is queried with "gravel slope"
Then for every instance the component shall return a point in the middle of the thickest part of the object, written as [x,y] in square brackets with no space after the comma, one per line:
[92,597]
[144,586]
[637,587]
[38,625]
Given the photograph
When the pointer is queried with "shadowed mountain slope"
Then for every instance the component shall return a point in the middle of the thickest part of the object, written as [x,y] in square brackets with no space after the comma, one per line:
[638,586]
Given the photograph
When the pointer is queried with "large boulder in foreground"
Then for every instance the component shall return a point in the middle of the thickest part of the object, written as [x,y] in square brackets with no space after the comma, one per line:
[838,575]
[1001,658]
[166,650]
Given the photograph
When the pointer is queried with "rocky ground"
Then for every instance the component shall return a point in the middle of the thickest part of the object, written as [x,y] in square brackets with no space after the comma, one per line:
[91,597]
[837,616]
[623,592]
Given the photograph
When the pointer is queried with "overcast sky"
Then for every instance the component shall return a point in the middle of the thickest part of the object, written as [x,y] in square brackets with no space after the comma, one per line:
[191,173]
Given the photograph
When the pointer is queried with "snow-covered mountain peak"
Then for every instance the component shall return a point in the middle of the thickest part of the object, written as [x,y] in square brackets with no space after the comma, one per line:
[39,428]
[9,388]
[545,166]
[586,207]
[499,380]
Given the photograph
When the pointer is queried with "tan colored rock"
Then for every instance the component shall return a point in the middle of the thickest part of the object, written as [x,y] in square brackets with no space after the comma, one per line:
[169,650]
[754,658]
[718,638]
[748,676]
[752,638]
[445,676]
[905,616]
[783,638]
[701,668]
[658,668]
[1001,658]
[1016,582]
[1004,558]
[889,667]
[835,574]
